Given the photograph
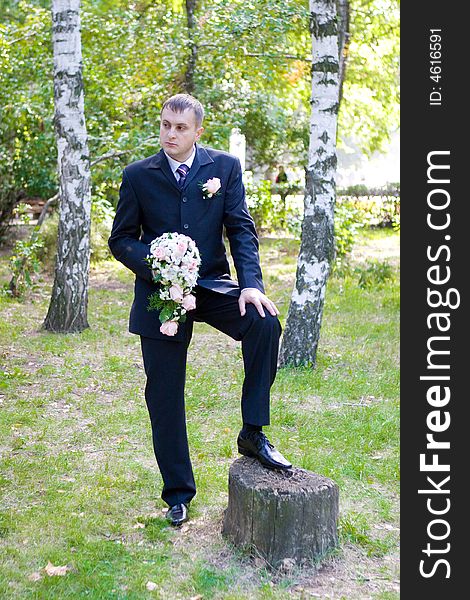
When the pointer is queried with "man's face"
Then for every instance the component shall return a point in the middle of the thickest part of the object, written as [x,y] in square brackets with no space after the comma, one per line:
[178,133]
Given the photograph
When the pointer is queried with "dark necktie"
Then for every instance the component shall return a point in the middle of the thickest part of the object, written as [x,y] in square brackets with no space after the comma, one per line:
[182,171]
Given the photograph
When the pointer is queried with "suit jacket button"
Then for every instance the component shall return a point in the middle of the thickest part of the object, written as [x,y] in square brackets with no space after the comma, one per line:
[185,226]
[185,199]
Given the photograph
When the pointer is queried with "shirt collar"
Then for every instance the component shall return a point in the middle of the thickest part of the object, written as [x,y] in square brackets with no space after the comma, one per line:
[174,164]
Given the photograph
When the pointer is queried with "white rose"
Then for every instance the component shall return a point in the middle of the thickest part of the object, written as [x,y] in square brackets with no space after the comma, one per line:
[212,186]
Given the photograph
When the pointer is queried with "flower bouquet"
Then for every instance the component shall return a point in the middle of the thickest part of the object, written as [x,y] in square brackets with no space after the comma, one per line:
[174,261]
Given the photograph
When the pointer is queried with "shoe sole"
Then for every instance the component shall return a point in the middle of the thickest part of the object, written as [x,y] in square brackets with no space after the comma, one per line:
[178,523]
[252,455]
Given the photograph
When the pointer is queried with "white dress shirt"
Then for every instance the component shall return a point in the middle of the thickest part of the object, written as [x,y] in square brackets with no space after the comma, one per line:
[174,164]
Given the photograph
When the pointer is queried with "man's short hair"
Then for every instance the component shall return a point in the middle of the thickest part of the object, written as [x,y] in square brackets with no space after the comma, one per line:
[181,102]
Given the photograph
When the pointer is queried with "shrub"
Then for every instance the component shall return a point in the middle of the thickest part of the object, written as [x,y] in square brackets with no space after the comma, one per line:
[24,261]
[348,220]
[102,214]
[260,203]
[270,211]
[374,274]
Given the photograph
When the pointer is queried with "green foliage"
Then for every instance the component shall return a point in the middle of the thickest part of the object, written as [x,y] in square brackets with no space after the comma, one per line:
[369,109]
[348,220]
[166,308]
[252,72]
[25,258]
[378,210]
[102,216]
[270,211]
[49,231]
[357,207]
[102,210]
[99,234]
[260,203]
[27,153]
[23,263]
[374,274]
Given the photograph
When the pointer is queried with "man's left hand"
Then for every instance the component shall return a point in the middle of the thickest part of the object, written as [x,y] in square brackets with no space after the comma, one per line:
[254,296]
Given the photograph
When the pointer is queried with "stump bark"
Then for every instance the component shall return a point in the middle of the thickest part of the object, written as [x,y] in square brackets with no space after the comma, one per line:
[281,515]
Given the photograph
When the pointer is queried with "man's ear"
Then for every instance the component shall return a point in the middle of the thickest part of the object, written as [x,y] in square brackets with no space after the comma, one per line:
[199,132]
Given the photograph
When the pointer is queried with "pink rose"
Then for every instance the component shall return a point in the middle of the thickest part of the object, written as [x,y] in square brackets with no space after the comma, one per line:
[159,253]
[176,293]
[212,186]
[189,302]
[181,247]
[192,265]
[169,328]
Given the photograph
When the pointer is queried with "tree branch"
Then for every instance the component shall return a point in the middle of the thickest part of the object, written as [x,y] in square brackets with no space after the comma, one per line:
[260,54]
[43,213]
[119,153]
[24,37]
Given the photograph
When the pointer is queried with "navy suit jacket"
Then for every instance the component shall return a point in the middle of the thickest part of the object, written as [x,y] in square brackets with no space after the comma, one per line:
[152,203]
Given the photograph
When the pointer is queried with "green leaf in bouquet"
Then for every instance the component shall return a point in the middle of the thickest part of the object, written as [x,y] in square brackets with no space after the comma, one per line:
[155,302]
[166,313]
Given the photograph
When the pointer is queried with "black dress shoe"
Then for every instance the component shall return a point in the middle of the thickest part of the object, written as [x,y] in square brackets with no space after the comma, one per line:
[256,445]
[177,514]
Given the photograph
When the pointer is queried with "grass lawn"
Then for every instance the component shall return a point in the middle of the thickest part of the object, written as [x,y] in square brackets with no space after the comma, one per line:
[79,482]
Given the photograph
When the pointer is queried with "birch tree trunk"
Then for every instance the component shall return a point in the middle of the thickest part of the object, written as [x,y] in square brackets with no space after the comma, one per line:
[189,86]
[68,305]
[302,331]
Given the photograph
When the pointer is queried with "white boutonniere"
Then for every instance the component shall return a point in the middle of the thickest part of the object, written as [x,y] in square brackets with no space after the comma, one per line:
[211,188]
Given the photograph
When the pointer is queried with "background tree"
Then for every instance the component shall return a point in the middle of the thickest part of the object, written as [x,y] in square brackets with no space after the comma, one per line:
[68,305]
[26,106]
[251,70]
[370,99]
[302,331]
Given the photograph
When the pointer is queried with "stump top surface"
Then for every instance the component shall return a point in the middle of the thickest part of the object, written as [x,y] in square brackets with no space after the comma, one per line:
[252,474]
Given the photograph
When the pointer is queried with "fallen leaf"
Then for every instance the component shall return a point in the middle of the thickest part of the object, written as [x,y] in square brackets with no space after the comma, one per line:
[52,570]
[139,526]
[36,576]
[198,597]
[151,586]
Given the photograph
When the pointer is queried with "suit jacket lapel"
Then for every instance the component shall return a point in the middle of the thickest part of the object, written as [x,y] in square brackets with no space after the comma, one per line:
[159,161]
[202,158]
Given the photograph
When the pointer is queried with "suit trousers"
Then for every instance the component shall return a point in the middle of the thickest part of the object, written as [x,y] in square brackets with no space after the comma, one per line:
[165,368]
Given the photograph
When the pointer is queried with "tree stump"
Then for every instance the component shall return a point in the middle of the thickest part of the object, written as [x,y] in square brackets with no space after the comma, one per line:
[281,515]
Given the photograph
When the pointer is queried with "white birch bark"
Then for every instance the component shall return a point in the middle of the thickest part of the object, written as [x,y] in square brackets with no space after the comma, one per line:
[302,331]
[68,306]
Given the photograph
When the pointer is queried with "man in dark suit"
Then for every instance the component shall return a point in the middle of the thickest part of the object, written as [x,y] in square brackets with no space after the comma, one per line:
[162,194]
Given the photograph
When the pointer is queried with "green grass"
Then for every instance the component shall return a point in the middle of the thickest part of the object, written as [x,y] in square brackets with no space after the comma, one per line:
[78,481]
